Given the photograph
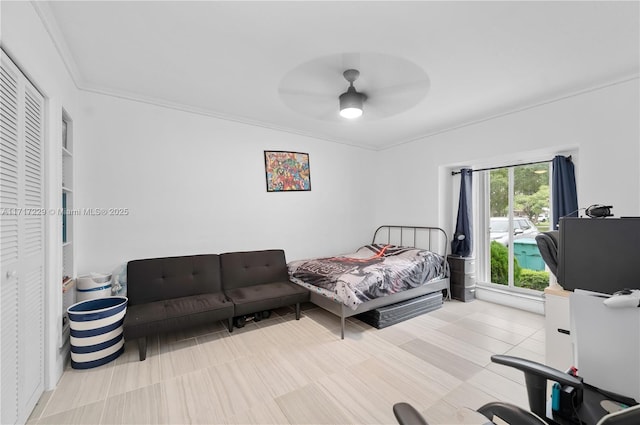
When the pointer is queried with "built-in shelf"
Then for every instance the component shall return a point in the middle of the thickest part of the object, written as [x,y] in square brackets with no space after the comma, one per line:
[66,222]
[68,284]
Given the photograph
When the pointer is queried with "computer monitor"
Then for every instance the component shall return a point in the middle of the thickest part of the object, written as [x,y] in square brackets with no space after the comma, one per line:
[599,254]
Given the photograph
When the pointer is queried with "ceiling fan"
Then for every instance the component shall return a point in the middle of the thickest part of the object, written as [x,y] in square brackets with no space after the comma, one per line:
[387,85]
[351,101]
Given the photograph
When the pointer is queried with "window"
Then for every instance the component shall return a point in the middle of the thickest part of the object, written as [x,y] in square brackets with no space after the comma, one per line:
[516,205]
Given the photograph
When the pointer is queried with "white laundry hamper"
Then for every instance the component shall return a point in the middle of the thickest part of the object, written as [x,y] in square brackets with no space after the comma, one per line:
[96,331]
[94,285]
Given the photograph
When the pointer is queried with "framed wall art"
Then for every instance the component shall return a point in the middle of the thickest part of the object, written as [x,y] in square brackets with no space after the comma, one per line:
[287,171]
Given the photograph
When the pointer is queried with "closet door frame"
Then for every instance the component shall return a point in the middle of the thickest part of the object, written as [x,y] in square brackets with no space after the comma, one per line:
[22,265]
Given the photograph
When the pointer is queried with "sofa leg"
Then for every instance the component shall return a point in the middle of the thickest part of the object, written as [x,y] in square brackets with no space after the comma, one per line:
[142,347]
[230,324]
[297,311]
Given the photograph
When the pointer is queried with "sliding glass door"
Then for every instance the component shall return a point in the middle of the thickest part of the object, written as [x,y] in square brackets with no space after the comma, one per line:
[517,205]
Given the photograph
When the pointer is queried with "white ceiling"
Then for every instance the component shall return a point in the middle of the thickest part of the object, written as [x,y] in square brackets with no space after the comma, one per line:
[229,59]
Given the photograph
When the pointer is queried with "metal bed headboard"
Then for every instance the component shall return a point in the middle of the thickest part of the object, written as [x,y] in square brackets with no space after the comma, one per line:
[423,237]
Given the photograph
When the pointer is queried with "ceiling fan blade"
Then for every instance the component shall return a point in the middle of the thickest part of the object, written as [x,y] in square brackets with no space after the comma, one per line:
[322,112]
[330,115]
[400,89]
[304,93]
[389,100]
[375,111]
[392,85]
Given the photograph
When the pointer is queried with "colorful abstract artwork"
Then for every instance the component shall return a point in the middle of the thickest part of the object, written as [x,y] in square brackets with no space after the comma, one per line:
[287,171]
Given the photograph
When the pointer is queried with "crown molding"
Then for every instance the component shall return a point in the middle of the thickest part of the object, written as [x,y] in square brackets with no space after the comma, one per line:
[213,114]
[514,110]
[51,25]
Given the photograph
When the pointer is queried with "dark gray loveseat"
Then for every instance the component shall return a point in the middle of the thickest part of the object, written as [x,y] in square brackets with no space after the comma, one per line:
[258,280]
[174,293]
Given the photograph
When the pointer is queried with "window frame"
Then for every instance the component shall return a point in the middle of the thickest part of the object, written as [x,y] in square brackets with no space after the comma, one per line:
[482,232]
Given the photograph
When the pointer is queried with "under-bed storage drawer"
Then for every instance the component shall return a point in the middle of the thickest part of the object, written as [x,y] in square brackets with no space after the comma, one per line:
[388,315]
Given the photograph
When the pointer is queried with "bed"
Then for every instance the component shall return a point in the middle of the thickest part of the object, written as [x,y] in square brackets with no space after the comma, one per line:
[401,263]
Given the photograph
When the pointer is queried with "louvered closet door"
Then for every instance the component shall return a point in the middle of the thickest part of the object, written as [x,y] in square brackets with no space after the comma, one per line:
[9,160]
[22,244]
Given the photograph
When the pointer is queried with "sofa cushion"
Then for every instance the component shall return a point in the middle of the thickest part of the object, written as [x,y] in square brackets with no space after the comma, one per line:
[179,313]
[157,279]
[240,269]
[266,296]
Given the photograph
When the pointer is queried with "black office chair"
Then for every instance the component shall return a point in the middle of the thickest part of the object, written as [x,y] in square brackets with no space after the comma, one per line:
[509,413]
[588,412]
[548,247]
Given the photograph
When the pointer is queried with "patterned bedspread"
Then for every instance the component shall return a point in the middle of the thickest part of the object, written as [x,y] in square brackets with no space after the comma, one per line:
[372,271]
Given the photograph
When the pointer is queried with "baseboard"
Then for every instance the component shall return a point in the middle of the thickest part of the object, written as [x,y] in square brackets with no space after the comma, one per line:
[527,302]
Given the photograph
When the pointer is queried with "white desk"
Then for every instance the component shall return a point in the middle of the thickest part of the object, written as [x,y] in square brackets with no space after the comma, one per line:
[558,346]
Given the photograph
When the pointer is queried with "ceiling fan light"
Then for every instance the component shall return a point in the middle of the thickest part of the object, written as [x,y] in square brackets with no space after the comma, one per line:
[351,103]
[351,113]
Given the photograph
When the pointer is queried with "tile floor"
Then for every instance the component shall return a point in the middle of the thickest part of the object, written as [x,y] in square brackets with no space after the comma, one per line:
[283,371]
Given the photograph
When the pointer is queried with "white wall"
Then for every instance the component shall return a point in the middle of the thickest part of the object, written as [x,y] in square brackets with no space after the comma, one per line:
[27,42]
[196,184]
[602,126]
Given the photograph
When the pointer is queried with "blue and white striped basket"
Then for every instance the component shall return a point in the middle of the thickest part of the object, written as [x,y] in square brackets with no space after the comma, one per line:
[94,285]
[96,331]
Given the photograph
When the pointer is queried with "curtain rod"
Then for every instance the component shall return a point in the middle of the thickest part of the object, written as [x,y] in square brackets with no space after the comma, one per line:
[453,173]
